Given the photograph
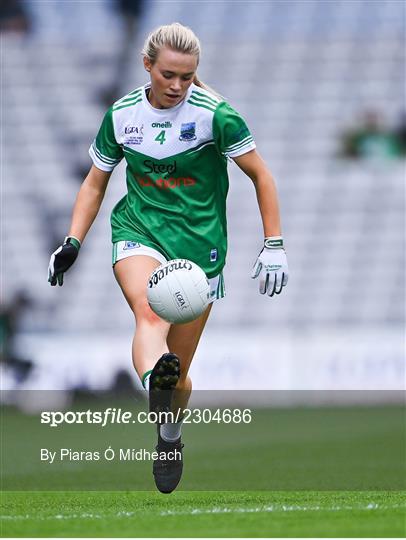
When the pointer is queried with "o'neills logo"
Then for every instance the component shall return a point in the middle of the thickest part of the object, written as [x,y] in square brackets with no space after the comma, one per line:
[162,125]
[163,271]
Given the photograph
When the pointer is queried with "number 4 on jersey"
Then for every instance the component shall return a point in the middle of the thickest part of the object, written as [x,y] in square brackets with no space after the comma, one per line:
[161,137]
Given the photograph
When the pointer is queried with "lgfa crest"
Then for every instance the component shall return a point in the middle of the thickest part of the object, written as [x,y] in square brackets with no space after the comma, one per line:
[188,132]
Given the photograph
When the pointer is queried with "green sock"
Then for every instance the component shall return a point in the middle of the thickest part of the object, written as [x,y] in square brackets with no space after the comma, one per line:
[145,379]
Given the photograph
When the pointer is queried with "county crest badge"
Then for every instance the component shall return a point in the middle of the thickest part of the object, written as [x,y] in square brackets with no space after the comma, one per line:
[131,245]
[188,132]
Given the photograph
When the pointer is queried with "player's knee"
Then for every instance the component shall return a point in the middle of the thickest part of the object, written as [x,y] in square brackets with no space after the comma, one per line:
[143,313]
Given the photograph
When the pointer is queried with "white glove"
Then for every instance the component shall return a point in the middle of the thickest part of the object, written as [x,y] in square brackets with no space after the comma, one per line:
[271,266]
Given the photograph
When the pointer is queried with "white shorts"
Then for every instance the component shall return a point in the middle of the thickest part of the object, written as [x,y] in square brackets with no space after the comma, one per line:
[124,249]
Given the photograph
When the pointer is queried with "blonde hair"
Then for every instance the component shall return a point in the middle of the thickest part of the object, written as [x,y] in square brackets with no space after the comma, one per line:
[179,38]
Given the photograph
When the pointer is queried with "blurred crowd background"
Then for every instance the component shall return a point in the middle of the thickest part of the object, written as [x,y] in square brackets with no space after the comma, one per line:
[321,83]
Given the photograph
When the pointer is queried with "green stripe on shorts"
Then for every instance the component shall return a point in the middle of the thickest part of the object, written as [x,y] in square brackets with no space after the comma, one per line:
[220,290]
[114,257]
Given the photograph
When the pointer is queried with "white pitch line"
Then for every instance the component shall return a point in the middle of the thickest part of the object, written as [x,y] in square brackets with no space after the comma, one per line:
[278,508]
[57,516]
[216,510]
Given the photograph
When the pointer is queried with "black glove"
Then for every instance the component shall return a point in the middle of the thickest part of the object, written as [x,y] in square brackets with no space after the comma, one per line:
[62,259]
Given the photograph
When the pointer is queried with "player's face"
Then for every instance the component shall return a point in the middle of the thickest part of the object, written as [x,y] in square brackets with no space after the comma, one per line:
[171,75]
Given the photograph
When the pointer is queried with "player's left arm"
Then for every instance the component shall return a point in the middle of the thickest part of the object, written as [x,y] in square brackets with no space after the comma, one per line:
[271,265]
[255,167]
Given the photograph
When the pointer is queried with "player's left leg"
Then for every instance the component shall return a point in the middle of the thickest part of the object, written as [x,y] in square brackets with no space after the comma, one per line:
[182,340]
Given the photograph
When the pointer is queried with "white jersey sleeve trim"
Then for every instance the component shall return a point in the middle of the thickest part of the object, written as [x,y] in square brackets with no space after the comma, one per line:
[102,162]
[242,150]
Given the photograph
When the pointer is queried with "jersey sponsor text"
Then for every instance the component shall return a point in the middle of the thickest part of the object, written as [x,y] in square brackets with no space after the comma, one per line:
[166,183]
[152,167]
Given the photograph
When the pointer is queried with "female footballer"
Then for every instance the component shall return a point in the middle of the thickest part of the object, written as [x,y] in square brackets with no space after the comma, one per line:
[176,136]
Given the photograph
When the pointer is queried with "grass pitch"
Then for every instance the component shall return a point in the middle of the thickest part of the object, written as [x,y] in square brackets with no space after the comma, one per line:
[203,514]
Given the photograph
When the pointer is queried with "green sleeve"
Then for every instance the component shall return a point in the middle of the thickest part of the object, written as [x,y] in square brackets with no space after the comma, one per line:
[230,132]
[105,151]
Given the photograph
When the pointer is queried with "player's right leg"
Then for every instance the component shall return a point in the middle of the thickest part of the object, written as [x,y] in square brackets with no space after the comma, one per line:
[157,368]
[149,344]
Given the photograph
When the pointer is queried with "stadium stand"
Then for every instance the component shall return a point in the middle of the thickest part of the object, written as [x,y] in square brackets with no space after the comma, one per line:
[300,73]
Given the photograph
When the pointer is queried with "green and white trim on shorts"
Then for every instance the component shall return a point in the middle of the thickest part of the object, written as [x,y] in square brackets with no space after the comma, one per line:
[124,249]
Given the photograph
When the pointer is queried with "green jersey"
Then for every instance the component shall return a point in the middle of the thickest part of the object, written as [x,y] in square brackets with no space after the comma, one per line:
[177,177]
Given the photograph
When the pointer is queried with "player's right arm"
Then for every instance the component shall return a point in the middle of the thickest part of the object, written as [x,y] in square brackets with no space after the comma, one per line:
[85,210]
[88,202]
